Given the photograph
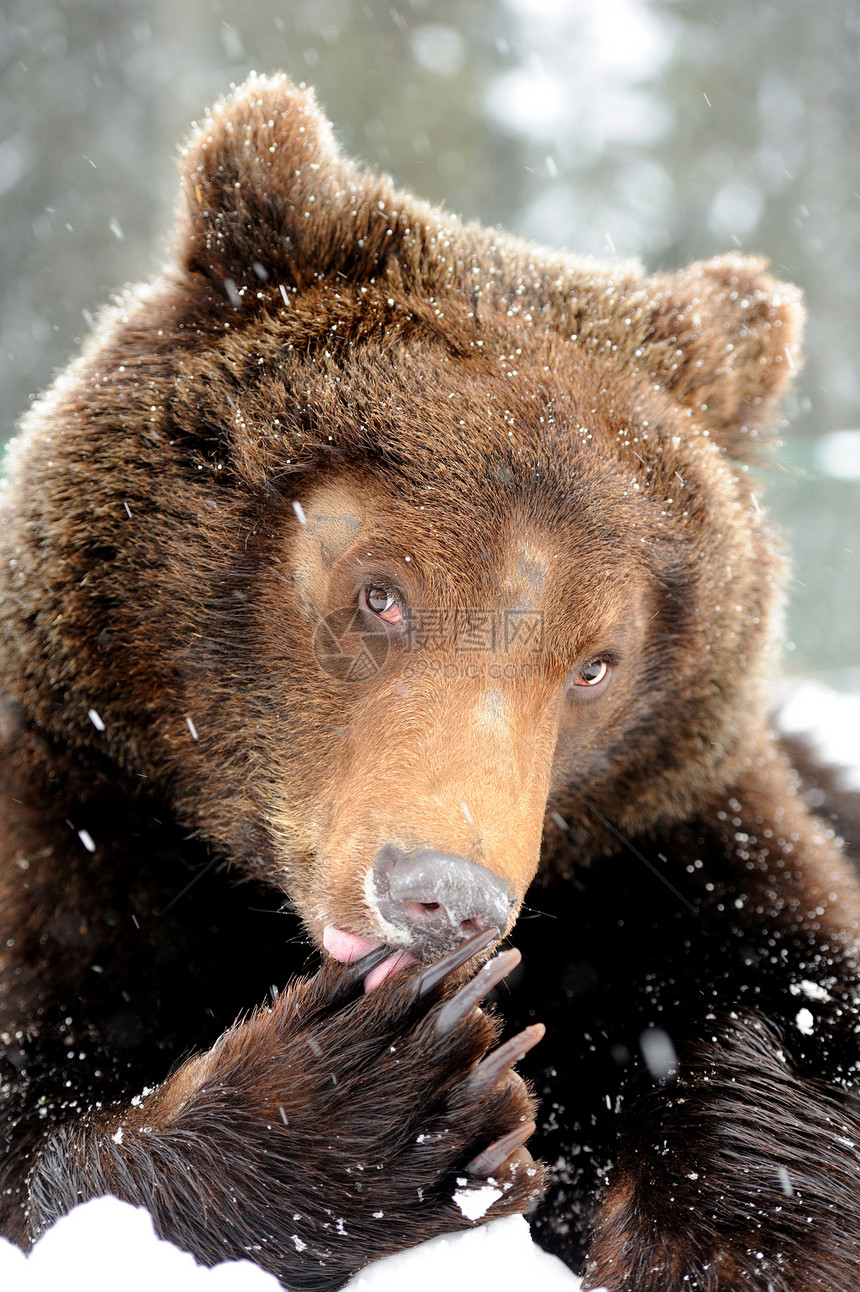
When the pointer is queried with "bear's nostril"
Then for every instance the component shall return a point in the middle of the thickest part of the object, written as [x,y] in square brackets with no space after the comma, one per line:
[418,911]
[438,898]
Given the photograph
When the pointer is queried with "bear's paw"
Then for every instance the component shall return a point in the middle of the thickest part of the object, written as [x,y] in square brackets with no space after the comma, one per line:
[327,1130]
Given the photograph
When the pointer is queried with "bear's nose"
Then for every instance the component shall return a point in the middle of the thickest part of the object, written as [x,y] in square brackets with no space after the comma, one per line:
[438,898]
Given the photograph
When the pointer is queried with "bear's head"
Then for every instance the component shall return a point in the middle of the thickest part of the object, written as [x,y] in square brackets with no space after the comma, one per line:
[383,545]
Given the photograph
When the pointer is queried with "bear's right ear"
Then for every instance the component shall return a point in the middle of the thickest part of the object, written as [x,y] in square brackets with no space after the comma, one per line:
[270,197]
[723,339]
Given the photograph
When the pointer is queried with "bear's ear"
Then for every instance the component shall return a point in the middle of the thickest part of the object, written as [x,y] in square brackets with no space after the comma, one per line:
[270,197]
[723,338]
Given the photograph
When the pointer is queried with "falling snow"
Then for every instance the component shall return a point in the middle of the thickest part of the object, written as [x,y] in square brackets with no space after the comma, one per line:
[805,1022]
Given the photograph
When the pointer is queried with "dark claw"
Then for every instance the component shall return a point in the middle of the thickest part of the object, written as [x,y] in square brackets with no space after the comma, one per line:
[359,969]
[487,1074]
[497,1153]
[435,973]
[473,992]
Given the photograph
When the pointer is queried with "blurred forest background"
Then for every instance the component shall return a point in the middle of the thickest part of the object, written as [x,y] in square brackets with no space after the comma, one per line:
[669,129]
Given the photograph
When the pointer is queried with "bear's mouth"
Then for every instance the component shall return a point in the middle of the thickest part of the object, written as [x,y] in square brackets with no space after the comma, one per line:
[349,947]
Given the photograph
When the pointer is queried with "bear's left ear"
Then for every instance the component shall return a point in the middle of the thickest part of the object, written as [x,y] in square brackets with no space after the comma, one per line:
[270,197]
[722,337]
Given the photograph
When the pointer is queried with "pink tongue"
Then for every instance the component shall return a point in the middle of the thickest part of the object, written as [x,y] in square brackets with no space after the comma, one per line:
[347,947]
[399,960]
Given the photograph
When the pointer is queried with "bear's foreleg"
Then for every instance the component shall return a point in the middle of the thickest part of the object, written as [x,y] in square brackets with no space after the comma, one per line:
[739,1176]
[322,1133]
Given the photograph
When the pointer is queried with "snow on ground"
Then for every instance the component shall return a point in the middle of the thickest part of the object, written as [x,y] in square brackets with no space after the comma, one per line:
[107,1245]
[831,720]
[499,1256]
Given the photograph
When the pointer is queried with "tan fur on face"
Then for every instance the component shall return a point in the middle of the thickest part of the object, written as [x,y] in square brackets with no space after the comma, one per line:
[446,748]
[433,774]
[332,519]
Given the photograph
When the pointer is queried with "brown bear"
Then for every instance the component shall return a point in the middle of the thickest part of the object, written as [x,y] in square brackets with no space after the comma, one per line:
[365,566]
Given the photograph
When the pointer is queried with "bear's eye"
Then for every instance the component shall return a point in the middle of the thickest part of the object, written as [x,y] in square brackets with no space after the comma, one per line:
[384,605]
[591,674]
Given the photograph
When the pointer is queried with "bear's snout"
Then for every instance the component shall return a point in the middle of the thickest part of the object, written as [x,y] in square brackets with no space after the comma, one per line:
[437,898]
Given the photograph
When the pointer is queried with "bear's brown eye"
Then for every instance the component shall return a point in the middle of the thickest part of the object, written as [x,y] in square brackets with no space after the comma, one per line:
[384,605]
[592,674]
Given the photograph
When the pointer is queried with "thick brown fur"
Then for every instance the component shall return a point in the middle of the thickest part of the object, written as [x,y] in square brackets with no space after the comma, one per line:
[333,388]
